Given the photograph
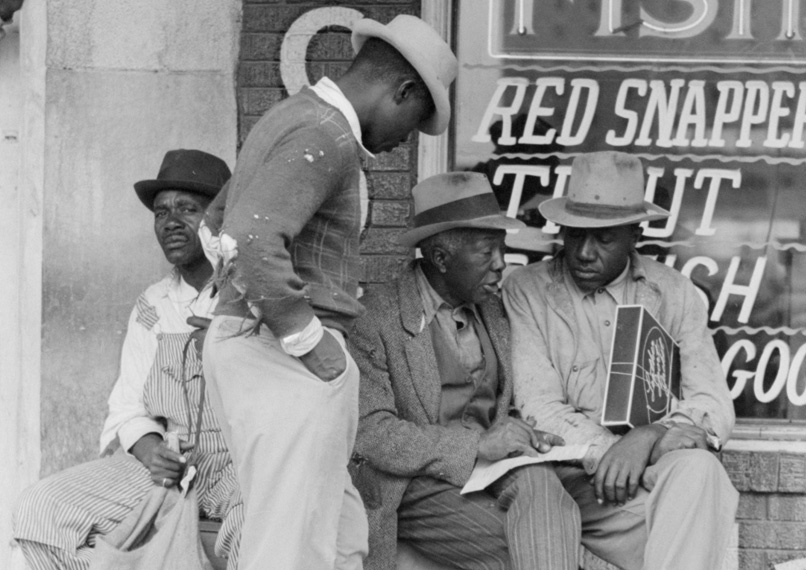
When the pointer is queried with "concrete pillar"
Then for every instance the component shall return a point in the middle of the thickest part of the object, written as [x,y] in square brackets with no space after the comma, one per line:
[126,81]
[22,69]
[96,93]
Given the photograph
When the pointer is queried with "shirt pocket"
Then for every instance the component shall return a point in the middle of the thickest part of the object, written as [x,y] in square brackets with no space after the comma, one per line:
[585,388]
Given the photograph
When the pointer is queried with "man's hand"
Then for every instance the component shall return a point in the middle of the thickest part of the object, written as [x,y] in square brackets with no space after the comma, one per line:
[165,466]
[198,335]
[620,470]
[679,436]
[513,437]
[327,359]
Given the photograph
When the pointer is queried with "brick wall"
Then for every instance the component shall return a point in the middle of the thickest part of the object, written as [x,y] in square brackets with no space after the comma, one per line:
[391,175]
[772,508]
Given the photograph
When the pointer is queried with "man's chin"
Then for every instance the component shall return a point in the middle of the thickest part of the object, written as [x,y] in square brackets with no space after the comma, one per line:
[586,280]
[177,256]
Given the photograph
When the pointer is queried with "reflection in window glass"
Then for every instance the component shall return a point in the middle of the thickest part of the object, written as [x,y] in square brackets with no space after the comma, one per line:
[713,103]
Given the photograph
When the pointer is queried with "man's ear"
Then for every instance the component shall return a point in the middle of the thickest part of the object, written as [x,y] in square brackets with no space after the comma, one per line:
[404,91]
[438,258]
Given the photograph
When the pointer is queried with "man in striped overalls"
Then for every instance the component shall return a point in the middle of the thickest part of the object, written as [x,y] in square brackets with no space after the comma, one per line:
[59,519]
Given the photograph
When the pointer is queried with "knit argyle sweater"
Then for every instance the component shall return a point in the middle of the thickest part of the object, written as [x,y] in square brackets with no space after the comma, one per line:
[293,207]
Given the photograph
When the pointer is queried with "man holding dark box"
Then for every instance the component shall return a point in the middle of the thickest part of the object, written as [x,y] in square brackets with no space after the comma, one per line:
[659,499]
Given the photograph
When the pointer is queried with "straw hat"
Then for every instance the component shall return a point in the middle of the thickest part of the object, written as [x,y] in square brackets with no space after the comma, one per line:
[190,170]
[455,200]
[606,189]
[426,51]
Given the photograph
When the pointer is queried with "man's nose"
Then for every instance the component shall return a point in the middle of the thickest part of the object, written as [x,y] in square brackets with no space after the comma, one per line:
[587,249]
[173,220]
[498,259]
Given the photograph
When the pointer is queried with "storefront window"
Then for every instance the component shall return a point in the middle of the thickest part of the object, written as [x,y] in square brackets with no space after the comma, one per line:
[711,95]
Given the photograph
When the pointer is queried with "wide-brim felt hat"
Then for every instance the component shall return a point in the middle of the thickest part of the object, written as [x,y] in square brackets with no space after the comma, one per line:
[455,200]
[185,169]
[605,189]
[426,51]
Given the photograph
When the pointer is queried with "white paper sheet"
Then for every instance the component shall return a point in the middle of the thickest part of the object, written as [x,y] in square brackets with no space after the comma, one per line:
[486,472]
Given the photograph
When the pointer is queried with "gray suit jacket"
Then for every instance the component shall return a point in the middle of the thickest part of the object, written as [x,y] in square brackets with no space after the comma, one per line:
[398,433]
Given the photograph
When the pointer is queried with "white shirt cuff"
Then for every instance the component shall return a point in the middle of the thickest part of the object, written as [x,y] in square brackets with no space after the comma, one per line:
[304,341]
[130,432]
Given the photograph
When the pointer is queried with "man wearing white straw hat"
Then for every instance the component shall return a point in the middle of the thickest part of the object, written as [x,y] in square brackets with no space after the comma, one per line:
[436,390]
[656,498]
[280,378]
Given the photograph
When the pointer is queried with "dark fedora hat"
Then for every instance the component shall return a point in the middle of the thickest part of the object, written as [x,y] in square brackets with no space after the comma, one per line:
[183,169]
[455,200]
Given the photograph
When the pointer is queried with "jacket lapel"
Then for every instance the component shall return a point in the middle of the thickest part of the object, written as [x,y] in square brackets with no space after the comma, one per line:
[498,329]
[422,362]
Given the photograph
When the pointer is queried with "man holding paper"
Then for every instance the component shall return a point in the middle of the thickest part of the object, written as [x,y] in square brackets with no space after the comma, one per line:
[435,392]
[656,498]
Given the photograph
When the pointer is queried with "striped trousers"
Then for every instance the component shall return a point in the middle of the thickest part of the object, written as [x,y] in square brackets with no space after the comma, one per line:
[59,519]
[524,521]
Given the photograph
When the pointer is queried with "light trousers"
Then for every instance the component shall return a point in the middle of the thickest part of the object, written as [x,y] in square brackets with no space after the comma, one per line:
[291,436]
[683,523]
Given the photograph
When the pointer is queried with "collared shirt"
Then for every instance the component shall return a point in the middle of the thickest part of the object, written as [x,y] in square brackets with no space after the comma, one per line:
[598,307]
[451,321]
[162,309]
[466,361]
[328,91]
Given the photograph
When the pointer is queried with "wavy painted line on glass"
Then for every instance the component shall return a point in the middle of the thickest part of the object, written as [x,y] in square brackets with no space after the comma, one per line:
[671,157]
[799,247]
[756,330]
[632,68]
[662,243]
[777,246]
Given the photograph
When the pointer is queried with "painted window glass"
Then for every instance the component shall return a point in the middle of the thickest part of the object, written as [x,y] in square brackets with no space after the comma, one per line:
[711,95]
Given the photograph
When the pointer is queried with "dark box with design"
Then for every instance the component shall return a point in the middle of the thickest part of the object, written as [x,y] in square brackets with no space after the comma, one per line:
[643,380]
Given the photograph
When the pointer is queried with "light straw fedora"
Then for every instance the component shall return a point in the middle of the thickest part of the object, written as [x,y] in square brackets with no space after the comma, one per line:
[426,51]
[455,200]
[606,189]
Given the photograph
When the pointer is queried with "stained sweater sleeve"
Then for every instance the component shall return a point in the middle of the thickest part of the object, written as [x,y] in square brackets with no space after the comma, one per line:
[290,186]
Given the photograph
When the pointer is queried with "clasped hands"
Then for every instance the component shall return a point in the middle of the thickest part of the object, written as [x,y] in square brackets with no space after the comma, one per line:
[621,469]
